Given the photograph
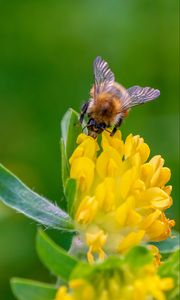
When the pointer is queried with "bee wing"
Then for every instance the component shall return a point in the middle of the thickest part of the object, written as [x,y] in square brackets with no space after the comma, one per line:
[103,76]
[139,95]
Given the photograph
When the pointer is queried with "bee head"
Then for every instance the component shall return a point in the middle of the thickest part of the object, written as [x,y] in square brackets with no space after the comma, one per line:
[95,128]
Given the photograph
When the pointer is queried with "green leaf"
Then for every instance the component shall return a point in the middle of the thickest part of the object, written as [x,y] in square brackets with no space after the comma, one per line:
[64,164]
[70,194]
[170,268]
[61,237]
[25,289]
[171,265]
[54,257]
[70,128]
[18,196]
[170,245]
[138,256]
[85,270]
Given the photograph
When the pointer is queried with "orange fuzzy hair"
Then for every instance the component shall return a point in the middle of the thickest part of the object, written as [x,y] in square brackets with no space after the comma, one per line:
[105,108]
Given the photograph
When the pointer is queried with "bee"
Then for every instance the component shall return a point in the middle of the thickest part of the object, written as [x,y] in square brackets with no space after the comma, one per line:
[110,102]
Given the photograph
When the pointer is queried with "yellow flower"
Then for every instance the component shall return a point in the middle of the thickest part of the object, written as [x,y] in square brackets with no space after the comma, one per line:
[152,286]
[95,242]
[122,197]
[80,290]
[83,171]
[118,283]
[63,294]
[156,255]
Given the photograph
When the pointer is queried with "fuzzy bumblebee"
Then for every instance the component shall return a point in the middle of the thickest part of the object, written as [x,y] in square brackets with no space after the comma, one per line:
[110,101]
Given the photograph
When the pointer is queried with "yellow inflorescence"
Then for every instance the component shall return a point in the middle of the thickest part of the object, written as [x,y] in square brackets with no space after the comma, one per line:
[122,197]
[144,284]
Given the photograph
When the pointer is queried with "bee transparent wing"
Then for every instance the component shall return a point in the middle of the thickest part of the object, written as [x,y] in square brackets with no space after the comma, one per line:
[139,95]
[103,76]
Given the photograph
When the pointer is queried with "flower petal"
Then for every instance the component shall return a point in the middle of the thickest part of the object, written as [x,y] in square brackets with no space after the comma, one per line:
[114,141]
[108,163]
[126,182]
[82,170]
[131,239]
[157,198]
[87,148]
[87,210]
[150,219]
[105,194]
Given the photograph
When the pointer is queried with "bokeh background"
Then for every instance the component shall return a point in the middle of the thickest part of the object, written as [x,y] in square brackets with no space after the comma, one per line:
[46,54]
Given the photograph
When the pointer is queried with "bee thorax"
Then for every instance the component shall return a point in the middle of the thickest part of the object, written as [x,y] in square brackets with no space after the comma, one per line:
[105,109]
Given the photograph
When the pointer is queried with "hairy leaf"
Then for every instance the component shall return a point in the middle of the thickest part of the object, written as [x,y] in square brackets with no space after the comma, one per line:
[18,196]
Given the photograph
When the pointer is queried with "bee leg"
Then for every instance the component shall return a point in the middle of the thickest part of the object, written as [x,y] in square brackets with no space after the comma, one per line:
[83,111]
[113,131]
[118,124]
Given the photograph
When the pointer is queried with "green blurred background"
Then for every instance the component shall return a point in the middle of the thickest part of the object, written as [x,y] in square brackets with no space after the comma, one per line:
[46,54]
